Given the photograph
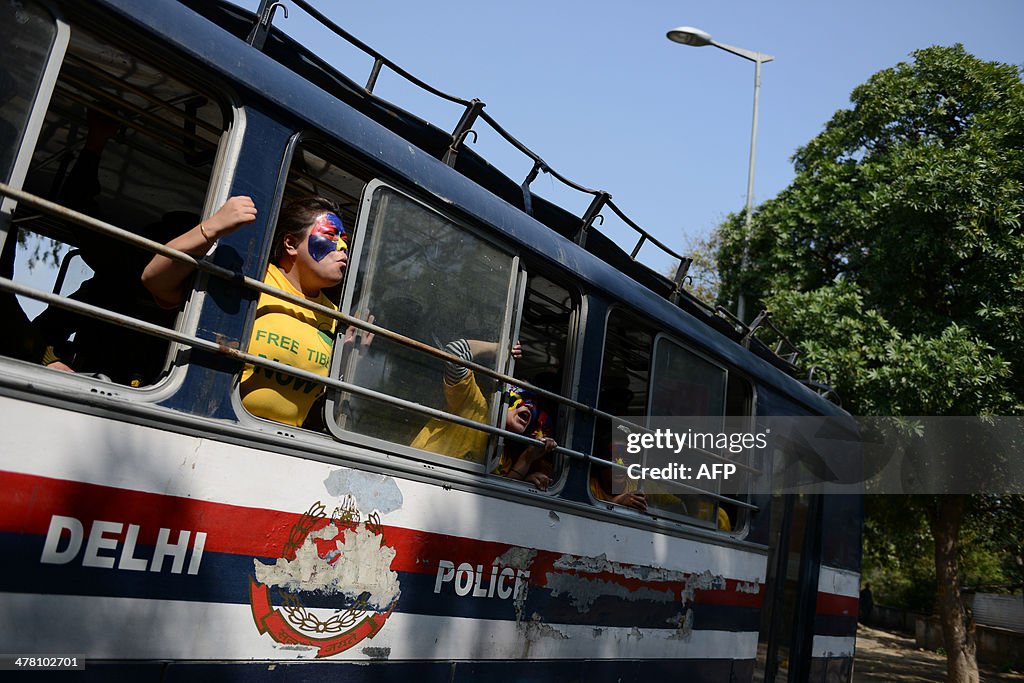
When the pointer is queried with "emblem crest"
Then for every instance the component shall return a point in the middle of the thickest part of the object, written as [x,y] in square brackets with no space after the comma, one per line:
[332,587]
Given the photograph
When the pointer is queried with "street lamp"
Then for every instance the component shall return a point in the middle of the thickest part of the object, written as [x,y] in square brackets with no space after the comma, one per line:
[688,35]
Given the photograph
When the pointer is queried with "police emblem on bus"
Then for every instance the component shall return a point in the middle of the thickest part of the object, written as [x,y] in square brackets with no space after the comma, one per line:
[334,583]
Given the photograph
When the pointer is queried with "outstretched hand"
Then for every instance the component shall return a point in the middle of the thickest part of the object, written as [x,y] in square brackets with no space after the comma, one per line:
[526,460]
[165,278]
[636,500]
[539,479]
[235,213]
[365,339]
[533,453]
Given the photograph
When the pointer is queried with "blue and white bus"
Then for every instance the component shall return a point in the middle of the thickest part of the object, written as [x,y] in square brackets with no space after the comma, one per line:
[152,527]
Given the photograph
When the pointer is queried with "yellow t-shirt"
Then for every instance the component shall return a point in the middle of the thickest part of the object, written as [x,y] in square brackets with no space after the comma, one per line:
[290,334]
[464,399]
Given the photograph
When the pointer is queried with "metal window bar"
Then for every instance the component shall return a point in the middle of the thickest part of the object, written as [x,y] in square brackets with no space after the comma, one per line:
[224,349]
[257,285]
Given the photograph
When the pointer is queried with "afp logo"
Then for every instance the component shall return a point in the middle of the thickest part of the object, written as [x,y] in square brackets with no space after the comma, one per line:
[333,585]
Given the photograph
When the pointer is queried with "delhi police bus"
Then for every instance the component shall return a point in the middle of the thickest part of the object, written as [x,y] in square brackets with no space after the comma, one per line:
[151,525]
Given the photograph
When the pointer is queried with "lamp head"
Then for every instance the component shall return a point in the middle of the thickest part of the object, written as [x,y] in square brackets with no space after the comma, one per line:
[688,35]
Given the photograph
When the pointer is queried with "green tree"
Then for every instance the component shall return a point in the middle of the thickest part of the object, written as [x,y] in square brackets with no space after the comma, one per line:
[894,257]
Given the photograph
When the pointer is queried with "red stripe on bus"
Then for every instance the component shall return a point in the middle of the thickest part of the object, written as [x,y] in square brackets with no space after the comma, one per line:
[830,603]
[28,502]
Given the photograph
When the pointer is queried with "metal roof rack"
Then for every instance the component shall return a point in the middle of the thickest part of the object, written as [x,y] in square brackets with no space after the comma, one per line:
[474,111]
[671,288]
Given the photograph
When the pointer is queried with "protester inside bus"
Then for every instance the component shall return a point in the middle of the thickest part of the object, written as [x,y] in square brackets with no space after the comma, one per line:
[611,485]
[706,509]
[604,481]
[310,254]
[530,463]
[616,399]
[464,398]
[113,352]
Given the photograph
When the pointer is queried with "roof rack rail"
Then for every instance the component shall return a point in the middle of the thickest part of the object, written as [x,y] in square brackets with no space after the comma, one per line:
[674,289]
[474,112]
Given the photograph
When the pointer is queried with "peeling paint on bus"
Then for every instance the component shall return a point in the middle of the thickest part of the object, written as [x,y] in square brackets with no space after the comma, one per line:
[371,491]
[358,564]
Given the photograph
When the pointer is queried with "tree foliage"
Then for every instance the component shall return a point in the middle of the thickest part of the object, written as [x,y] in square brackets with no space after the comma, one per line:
[894,260]
[914,196]
[878,370]
[898,548]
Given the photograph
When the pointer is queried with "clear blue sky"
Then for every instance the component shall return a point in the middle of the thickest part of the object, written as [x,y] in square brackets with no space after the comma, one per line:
[597,90]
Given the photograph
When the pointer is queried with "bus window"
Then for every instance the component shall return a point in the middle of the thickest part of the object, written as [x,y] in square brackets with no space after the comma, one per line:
[33,40]
[687,385]
[427,278]
[317,215]
[625,378]
[125,142]
[544,332]
[645,375]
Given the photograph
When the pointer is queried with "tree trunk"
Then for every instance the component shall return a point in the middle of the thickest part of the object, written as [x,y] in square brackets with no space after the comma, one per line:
[945,518]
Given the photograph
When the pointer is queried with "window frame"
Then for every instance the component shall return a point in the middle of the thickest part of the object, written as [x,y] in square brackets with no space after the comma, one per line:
[662,336]
[741,524]
[512,316]
[570,381]
[325,147]
[36,114]
[195,76]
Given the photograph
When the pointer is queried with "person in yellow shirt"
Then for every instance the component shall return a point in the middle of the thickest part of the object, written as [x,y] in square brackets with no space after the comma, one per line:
[310,254]
[464,398]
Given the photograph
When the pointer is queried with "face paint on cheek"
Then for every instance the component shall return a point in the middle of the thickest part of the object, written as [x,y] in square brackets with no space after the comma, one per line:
[326,236]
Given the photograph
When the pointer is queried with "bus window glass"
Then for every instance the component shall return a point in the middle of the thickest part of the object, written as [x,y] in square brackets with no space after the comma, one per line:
[686,385]
[544,331]
[128,143]
[427,278]
[28,33]
[646,376]
[625,378]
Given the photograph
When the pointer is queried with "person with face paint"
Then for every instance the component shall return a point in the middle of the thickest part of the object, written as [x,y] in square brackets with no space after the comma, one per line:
[309,254]
[526,414]
[465,399]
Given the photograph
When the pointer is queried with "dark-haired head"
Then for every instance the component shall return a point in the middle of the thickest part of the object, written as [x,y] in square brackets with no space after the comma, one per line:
[296,218]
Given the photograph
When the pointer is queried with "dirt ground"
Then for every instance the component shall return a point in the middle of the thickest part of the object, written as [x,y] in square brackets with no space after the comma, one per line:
[884,657]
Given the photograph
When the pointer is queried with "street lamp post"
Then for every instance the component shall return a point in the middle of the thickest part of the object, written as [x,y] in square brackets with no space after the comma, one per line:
[688,35]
